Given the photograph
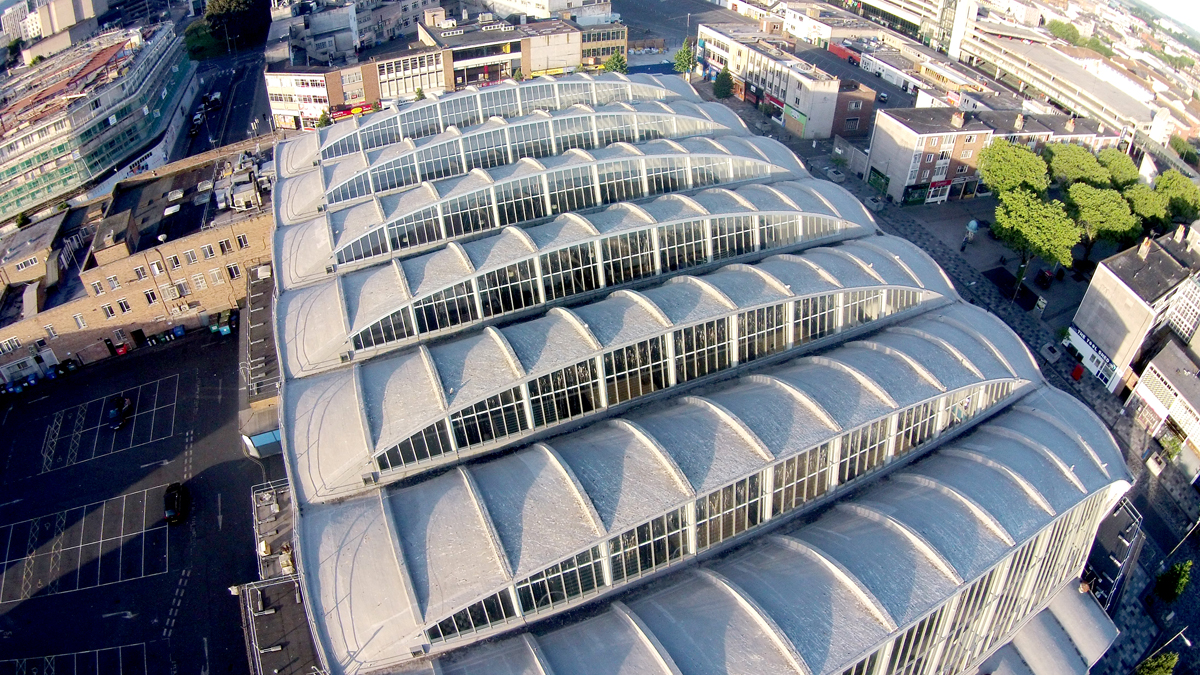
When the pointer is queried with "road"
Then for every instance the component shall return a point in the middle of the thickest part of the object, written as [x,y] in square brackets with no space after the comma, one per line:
[842,69]
[89,570]
[244,93]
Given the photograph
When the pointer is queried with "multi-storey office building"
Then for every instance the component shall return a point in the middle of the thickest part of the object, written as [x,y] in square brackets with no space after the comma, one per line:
[941,24]
[81,113]
[686,414]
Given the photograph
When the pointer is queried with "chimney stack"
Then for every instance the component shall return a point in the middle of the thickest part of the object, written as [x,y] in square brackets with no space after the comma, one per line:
[1179,234]
[1019,123]
[465,17]
[1071,124]
[957,119]
[1144,249]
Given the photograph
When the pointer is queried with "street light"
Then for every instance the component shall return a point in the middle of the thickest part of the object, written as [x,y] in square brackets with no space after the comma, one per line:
[1189,533]
[1164,646]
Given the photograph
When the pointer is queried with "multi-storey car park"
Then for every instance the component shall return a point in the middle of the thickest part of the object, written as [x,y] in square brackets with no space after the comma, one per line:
[78,115]
[580,408]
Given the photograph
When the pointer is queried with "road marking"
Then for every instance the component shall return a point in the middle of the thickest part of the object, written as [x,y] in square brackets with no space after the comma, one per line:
[123,615]
[12,502]
[146,466]
[124,660]
[218,510]
[204,670]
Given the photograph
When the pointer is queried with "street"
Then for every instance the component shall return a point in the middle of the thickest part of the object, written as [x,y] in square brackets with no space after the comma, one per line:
[668,19]
[842,69]
[244,95]
[90,572]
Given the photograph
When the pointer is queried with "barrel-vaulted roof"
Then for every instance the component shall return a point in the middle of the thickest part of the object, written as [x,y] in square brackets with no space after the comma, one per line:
[318,323]
[381,403]
[811,598]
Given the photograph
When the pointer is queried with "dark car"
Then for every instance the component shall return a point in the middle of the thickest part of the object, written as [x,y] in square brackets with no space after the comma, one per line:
[175,503]
[883,97]
[120,409]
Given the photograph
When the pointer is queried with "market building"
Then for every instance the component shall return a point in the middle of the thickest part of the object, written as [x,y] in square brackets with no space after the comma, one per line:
[704,399]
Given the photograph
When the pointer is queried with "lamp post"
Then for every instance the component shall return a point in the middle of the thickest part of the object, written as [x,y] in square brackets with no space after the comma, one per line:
[1164,645]
[1185,537]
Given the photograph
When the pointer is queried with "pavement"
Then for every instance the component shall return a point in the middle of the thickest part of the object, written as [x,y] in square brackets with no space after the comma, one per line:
[245,111]
[672,20]
[92,578]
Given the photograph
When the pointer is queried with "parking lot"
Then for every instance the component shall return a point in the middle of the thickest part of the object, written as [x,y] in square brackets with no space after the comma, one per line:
[92,577]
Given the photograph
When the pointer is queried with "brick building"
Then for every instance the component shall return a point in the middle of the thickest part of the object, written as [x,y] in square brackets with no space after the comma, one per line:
[159,252]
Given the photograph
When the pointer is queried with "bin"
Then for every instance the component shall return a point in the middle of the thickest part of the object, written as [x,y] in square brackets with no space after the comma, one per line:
[178,331]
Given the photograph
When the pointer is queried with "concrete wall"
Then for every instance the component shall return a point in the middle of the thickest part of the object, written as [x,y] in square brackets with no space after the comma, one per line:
[864,98]
[817,100]
[1114,318]
[892,147]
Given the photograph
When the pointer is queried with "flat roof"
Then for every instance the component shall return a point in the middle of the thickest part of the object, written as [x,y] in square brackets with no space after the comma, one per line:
[473,33]
[32,238]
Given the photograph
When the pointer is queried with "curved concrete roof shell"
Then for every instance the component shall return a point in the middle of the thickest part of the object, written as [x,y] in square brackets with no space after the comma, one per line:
[473,105]
[407,412]
[454,209]
[500,141]
[377,309]
[811,598]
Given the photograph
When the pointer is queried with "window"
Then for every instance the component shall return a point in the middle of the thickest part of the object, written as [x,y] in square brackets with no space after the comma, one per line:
[627,257]
[574,577]
[198,282]
[97,288]
[761,332]
[139,272]
[50,332]
[948,139]
[496,417]
[851,124]
[863,449]
[962,168]
[26,264]
[648,546]
[215,276]
[925,175]
[173,262]
[969,139]
[931,142]
[108,311]
[966,154]
[181,289]
[861,307]
[569,271]
[494,609]
[119,334]
[124,305]
[190,257]
[636,370]
[233,271]
[79,322]
[208,252]
[700,350]
[508,289]
[451,307]
[729,511]
[915,426]
[943,155]
[854,105]
[682,245]
[151,296]
[815,318]
[156,268]
[929,157]
[226,246]
[800,479]
[564,394]
[243,241]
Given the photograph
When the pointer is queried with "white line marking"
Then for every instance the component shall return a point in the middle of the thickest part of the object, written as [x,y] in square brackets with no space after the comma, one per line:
[218,510]
[120,615]
[146,466]
[12,502]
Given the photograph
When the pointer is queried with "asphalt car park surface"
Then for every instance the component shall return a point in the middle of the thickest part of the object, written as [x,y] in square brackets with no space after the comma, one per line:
[92,577]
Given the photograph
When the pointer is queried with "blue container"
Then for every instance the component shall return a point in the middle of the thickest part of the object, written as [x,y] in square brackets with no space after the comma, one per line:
[178,330]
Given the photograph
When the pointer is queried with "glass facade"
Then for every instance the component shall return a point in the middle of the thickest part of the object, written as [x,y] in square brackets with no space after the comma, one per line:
[771,492]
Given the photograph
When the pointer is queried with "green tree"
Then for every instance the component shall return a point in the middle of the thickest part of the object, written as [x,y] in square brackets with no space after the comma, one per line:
[518,75]
[723,85]
[1033,227]
[685,59]
[1006,167]
[1101,214]
[1183,197]
[1121,169]
[1159,664]
[420,95]
[1172,583]
[14,49]
[242,22]
[1147,204]
[323,120]
[1097,45]
[36,60]
[22,220]
[1074,163]
[616,64]
[1184,149]
[1063,31]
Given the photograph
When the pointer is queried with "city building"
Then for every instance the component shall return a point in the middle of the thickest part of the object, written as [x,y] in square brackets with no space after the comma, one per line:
[97,280]
[584,12]
[806,100]
[1023,59]
[1135,298]
[942,24]
[930,155]
[1166,402]
[10,21]
[714,416]
[821,24]
[339,31]
[75,117]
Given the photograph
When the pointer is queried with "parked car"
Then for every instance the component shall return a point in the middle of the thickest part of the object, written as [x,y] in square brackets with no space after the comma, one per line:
[176,502]
[120,409]
[212,101]
[834,175]
[983,191]
[874,203]
[883,97]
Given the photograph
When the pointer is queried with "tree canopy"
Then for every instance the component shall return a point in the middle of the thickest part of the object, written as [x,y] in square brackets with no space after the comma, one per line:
[1184,149]
[1160,664]
[685,59]
[1006,167]
[1074,163]
[616,64]
[1183,197]
[244,22]
[1172,583]
[1121,169]
[1032,226]
[419,95]
[1147,204]
[323,120]
[723,85]
[1101,214]
[1063,31]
